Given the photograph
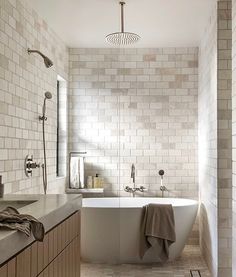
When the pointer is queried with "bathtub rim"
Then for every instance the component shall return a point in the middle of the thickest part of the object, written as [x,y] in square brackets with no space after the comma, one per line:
[93,202]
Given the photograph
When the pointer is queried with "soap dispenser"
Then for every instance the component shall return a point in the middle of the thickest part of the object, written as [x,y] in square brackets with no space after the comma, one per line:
[96,181]
[1,188]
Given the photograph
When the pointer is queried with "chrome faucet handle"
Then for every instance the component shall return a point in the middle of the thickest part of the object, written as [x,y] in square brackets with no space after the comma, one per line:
[127,189]
[163,189]
[29,165]
[142,189]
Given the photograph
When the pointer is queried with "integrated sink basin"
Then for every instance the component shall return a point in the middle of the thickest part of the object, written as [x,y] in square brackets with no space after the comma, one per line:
[15,203]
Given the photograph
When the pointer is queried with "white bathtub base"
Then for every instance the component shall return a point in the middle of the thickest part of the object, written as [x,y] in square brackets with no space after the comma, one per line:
[111,234]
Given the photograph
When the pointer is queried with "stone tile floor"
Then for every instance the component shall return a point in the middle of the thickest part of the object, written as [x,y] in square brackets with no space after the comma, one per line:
[190,259]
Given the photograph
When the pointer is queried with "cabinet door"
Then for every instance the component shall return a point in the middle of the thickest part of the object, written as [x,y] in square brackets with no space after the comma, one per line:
[3,271]
[11,268]
[23,263]
[57,256]
[66,264]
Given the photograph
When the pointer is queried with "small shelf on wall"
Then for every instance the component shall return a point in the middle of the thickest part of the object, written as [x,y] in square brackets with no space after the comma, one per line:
[85,191]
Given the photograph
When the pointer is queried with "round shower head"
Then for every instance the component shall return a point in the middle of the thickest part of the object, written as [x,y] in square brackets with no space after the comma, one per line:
[122,37]
[48,63]
[48,95]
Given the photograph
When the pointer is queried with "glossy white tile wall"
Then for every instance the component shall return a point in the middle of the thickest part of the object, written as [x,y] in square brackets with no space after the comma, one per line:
[23,81]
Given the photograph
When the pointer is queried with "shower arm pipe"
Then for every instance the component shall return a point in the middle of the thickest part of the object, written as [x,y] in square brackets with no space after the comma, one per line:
[36,51]
[122,16]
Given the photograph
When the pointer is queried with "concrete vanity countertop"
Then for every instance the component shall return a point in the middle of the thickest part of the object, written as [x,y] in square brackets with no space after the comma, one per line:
[50,209]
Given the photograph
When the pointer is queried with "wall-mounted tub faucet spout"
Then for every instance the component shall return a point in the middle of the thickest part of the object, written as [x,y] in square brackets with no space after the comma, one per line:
[133,173]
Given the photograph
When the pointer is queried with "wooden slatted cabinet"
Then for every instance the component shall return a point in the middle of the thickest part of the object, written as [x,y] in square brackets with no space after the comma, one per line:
[57,256]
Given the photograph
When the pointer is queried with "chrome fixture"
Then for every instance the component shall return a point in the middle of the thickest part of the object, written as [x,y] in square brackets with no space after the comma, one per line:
[122,38]
[133,173]
[134,190]
[48,63]
[43,118]
[162,187]
[30,165]
[48,96]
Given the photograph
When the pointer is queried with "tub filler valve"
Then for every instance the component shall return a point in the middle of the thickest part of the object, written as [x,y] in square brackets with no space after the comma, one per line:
[134,189]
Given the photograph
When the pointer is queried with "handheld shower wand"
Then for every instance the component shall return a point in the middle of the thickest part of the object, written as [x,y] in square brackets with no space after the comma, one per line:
[43,118]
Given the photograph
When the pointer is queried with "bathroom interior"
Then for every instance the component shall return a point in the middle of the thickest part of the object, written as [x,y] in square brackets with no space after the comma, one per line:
[111,111]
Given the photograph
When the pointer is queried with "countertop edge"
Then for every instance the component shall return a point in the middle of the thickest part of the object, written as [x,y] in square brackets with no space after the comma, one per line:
[14,242]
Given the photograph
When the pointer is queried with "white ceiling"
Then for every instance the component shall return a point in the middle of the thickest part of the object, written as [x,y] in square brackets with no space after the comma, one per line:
[85,23]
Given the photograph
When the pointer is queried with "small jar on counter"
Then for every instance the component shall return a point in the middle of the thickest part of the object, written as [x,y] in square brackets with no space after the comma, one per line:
[89,182]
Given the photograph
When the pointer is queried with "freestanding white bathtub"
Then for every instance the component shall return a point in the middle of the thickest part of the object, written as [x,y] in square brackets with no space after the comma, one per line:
[111,228]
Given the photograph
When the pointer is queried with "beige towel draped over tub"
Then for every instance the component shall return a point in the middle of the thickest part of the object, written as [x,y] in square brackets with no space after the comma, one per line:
[10,218]
[157,230]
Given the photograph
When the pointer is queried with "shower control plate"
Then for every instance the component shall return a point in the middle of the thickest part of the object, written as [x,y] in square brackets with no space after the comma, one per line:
[30,165]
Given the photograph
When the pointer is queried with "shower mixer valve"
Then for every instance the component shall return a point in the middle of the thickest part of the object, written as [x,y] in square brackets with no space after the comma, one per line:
[30,165]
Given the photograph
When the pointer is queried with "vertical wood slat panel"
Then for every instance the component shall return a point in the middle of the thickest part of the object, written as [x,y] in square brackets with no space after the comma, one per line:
[50,270]
[55,267]
[11,268]
[59,238]
[50,245]
[55,246]
[74,258]
[34,259]
[67,232]
[77,256]
[23,263]
[3,271]
[45,251]
[60,266]
[64,264]
[40,256]
[63,235]
[45,272]
[78,243]
[67,261]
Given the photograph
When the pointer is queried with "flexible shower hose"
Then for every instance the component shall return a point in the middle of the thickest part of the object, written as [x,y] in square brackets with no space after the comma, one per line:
[45,181]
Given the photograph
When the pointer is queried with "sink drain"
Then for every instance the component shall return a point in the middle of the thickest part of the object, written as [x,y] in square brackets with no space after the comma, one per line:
[195,273]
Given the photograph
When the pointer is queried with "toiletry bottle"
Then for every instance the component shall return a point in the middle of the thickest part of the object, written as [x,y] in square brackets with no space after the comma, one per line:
[89,182]
[1,188]
[101,181]
[96,181]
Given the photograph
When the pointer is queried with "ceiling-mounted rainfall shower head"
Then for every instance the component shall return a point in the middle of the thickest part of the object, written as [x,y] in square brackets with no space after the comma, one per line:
[48,95]
[48,63]
[122,37]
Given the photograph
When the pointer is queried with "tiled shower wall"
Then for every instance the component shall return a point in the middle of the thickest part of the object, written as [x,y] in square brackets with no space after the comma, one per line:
[234,133]
[215,141]
[23,82]
[208,143]
[224,144]
[136,106]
